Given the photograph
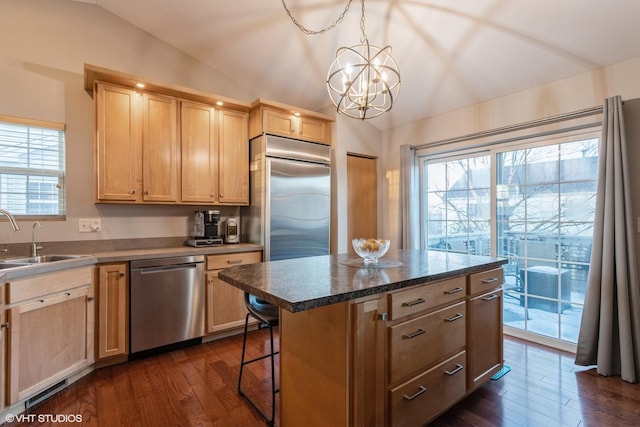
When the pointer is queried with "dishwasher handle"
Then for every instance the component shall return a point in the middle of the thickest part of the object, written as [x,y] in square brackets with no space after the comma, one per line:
[166,268]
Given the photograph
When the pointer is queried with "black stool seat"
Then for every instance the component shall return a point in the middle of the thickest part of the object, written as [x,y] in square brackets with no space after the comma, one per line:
[268,316]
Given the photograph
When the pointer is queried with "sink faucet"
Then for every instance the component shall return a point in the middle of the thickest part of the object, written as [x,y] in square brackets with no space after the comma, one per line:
[11,219]
[34,245]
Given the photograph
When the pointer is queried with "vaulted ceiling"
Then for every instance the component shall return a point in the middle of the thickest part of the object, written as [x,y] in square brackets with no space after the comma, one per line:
[451,53]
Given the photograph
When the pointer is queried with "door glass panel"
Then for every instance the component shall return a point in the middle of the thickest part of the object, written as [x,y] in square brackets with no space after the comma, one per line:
[544,226]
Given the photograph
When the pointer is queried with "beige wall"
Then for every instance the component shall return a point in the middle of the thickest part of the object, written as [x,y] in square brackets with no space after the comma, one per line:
[564,96]
[41,76]
[44,47]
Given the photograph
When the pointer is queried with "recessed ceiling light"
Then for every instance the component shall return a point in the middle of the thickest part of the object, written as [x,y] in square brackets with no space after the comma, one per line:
[219,103]
[140,85]
[297,114]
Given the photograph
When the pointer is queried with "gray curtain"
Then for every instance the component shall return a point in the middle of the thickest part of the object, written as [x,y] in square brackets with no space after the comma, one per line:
[610,330]
[409,232]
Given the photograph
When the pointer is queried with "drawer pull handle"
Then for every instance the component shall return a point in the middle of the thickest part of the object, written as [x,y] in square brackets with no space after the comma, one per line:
[455,371]
[414,334]
[490,280]
[234,261]
[454,318]
[414,302]
[421,390]
[453,291]
[490,297]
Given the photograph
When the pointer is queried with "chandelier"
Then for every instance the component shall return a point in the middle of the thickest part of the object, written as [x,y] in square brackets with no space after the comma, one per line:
[363,81]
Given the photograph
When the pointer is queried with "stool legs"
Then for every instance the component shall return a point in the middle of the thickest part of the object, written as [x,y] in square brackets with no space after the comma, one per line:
[270,420]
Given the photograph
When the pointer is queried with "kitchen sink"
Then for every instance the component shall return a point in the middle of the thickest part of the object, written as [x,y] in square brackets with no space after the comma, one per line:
[6,264]
[38,259]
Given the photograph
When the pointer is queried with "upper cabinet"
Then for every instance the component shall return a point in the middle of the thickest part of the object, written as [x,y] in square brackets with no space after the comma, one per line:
[117,144]
[136,146]
[215,153]
[167,145]
[279,119]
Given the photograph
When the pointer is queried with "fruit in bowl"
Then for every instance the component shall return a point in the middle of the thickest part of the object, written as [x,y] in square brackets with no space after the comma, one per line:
[370,249]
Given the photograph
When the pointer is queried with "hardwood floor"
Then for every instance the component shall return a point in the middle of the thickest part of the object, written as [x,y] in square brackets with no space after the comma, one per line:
[196,386]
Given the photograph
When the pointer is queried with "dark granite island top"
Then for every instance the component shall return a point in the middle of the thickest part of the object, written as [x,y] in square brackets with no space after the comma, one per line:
[307,283]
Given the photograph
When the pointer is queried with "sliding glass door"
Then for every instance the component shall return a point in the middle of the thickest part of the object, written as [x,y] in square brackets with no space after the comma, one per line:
[533,205]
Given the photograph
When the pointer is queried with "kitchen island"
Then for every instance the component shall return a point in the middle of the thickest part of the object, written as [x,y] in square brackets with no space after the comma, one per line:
[393,344]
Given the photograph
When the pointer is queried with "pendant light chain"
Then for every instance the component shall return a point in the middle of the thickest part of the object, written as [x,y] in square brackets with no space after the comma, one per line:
[363,38]
[324,30]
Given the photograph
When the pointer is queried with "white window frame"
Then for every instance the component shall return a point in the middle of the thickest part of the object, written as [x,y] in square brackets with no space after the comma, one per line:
[60,174]
[486,147]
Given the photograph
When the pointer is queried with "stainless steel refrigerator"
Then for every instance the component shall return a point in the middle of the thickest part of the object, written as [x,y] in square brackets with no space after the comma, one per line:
[290,198]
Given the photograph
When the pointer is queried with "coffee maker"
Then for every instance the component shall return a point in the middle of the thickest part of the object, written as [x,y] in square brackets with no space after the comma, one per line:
[205,229]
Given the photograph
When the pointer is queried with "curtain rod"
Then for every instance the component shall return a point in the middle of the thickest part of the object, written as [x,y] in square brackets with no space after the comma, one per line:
[539,122]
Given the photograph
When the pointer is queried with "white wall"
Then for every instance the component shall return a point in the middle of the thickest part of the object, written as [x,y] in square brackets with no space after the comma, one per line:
[43,49]
[564,96]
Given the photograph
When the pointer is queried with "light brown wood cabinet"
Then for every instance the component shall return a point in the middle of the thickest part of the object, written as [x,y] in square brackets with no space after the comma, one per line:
[50,330]
[215,155]
[484,322]
[113,309]
[155,148]
[398,359]
[3,346]
[225,307]
[137,157]
[279,119]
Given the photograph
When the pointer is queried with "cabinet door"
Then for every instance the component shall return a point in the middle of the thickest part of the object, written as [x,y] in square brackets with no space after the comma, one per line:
[233,157]
[484,338]
[313,130]
[225,305]
[49,339]
[279,123]
[118,144]
[113,291]
[225,308]
[3,343]
[160,149]
[199,153]
[368,363]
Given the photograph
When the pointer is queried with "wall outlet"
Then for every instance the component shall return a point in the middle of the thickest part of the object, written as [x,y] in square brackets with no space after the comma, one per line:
[89,225]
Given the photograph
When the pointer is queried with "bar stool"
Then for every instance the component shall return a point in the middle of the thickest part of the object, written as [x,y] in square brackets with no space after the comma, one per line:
[268,317]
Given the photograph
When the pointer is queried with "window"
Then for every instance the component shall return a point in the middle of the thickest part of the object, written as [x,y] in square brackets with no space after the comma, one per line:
[533,204]
[32,167]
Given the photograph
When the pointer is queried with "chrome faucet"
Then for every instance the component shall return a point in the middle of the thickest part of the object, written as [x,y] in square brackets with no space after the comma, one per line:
[34,245]
[11,219]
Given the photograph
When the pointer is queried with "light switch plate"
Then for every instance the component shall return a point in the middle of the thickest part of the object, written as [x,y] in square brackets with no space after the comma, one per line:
[89,225]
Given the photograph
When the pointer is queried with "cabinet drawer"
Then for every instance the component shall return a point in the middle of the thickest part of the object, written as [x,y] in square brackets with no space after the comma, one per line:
[216,262]
[419,343]
[422,398]
[485,281]
[424,297]
[48,283]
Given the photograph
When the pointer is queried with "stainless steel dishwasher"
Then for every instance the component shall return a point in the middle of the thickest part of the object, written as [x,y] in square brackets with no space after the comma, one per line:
[167,301]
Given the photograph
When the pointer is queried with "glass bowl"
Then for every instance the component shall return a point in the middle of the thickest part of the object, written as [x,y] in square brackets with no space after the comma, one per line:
[370,249]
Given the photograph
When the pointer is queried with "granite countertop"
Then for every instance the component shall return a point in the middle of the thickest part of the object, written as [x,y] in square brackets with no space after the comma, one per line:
[121,255]
[306,283]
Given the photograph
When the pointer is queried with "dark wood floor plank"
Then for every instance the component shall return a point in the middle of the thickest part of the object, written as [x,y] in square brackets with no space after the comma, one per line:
[196,386]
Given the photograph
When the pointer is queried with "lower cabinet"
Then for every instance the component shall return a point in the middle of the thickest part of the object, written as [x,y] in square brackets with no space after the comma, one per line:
[113,309]
[50,330]
[485,343]
[225,308]
[419,399]
[395,359]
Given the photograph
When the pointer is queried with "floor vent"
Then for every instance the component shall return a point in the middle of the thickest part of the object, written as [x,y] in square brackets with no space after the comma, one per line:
[44,395]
